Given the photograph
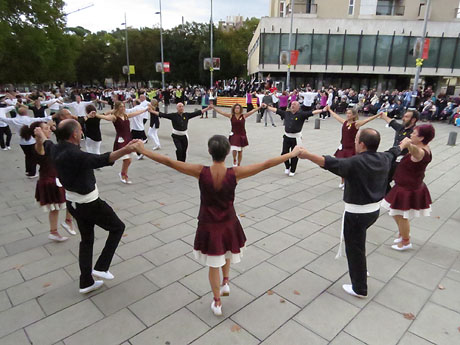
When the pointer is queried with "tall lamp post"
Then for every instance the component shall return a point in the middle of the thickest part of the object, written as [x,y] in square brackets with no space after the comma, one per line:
[161,49]
[212,64]
[127,52]
[419,56]
[288,77]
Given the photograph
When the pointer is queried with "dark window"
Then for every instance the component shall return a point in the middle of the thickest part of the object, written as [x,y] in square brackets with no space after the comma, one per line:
[319,49]
[335,50]
[351,50]
[367,50]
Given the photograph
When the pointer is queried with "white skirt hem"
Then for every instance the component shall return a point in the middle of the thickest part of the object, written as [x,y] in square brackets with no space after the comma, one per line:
[407,214]
[218,260]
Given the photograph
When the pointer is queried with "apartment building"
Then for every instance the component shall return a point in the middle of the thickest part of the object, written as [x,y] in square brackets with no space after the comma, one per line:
[359,43]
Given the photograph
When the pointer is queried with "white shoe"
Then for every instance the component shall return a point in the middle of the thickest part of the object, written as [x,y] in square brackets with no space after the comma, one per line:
[397,240]
[287,171]
[342,185]
[57,238]
[156,147]
[217,310]
[145,141]
[8,147]
[5,149]
[97,284]
[225,290]
[141,156]
[124,179]
[104,275]
[291,174]
[349,290]
[403,248]
[31,177]
[68,229]
[235,165]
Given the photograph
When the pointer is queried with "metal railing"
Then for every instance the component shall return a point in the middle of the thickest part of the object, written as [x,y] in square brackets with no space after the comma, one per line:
[389,10]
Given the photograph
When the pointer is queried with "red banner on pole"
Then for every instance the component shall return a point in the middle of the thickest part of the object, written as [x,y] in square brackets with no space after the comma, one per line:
[294,57]
[166,67]
[426,48]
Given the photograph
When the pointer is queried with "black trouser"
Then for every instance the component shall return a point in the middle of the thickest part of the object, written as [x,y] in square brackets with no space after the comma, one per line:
[5,131]
[249,107]
[87,216]
[31,163]
[135,134]
[305,108]
[181,143]
[288,145]
[81,121]
[355,226]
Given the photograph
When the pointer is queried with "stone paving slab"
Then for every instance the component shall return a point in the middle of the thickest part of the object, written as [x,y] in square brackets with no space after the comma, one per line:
[161,293]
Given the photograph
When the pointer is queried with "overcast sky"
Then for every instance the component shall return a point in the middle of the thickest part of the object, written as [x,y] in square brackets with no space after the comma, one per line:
[109,14]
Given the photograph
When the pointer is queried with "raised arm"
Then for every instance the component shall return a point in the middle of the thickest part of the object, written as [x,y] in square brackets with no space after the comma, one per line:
[383,115]
[363,122]
[250,170]
[185,168]
[272,109]
[416,152]
[335,116]
[108,117]
[249,113]
[137,112]
[222,112]
[319,160]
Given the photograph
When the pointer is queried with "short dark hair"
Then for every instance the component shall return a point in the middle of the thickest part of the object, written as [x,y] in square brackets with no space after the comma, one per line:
[371,138]
[426,131]
[218,147]
[415,114]
[66,129]
[89,108]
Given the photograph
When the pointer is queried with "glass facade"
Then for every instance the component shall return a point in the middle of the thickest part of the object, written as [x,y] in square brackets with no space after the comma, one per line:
[389,51]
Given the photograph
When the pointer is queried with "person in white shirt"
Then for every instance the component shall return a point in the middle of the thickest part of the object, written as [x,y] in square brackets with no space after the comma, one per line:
[5,129]
[308,100]
[27,146]
[136,123]
[79,108]
[54,106]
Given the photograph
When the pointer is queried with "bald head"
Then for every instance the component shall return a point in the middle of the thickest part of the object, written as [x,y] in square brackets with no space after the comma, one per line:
[64,114]
[180,107]
[295,106]
[367,139]
[69,130]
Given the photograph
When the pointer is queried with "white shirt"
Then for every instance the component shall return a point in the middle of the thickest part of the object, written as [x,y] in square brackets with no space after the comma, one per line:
[80,108]
[3,112]
[20,121]
[145,115]
[308,98]
[136,123]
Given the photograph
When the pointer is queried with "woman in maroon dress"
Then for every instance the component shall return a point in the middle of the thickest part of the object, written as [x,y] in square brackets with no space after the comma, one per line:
[120,121]
[350,127]
[219,239]
[237,138]
[410,196]
[49,193]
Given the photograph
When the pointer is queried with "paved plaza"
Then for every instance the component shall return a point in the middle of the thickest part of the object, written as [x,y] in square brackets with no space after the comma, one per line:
[286,291]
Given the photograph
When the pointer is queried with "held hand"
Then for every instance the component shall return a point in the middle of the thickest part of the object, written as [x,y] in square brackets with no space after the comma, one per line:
[296,151]
[303,153]
[405,143]
[136,145]
[39,135]
[91,115]
[263,106]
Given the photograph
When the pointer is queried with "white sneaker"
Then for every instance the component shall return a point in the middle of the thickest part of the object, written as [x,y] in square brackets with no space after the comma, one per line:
[31,177]
[104,275]
[342,185]
[217,310]
[57,238]
[5,149]
[225,290]
[8,147]
[291,174]
[287,171]
[403,248]
[156,147]
[68,229]
[141,156]
[349,290]
[97,284]
[235,165]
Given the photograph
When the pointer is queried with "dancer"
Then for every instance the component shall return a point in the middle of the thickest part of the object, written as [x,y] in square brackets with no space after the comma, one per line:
[5,130]
[137,123]
[93,138]
[38,109]
[27,143]
[154,125]
[402,130]
[365,182]
[350,127]
[219,239]
[120,119]
[293,123]
[76,173]
[49,193]
[79,107]
[410,196]
[179,123]
[238,138]
[265,112]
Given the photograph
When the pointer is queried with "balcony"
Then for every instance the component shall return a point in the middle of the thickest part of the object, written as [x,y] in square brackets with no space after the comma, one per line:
[389,10]
[457,13]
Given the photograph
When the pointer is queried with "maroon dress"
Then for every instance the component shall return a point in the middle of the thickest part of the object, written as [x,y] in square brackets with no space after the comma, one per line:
[47,193]
[219,235]
[238,137]
[123,133]
[410,195]
[348,141]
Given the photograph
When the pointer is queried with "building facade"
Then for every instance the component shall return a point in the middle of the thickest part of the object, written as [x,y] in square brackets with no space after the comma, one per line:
[359,43]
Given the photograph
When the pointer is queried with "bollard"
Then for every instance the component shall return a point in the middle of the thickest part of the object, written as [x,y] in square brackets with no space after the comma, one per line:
[214,102]
[452,138]
[258,117]
[317,123]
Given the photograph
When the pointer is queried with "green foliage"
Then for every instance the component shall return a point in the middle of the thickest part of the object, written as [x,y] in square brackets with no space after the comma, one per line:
[36,47]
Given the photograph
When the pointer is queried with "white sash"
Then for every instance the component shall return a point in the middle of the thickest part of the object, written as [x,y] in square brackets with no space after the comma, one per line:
[82,198]
[182,133]
[296,136]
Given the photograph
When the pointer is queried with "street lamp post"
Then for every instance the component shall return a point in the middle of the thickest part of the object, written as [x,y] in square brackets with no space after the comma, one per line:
[419,56]
[127,52]
[212,64]
[288,77]
[161,48]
